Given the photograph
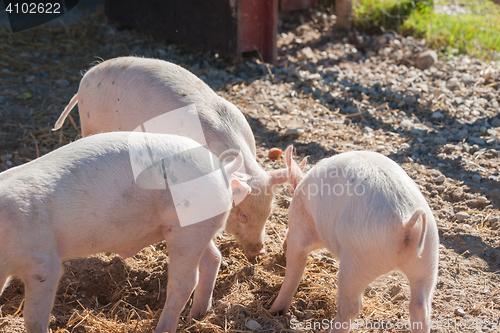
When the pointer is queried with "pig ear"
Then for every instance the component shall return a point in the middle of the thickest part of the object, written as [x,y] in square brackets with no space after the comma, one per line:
[294,171]
[288,156]
[240,190]
[303,164]
[236,167]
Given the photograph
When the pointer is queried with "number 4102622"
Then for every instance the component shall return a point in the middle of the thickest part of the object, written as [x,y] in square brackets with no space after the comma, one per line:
[34,8]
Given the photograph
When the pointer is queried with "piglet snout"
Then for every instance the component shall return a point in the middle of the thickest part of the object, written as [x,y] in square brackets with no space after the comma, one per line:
[255,251]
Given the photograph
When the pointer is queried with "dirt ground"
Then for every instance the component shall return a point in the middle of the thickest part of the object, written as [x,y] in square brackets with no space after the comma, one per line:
[286,104]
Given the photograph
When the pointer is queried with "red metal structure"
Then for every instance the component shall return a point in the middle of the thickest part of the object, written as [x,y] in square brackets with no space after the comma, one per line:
[225,26]
[259,27]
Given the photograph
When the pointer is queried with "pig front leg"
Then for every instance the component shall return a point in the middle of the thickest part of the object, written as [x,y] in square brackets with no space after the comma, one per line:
[296,259]
[3,278]
[40,279]
[185,248]
[298,244]
[209,267]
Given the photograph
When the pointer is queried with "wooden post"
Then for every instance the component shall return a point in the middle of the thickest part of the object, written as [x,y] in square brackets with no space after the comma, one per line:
[343,10]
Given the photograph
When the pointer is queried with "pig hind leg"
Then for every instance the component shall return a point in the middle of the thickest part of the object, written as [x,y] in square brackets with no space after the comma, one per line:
[40,280]
[209,267]
[355,274]
[422,277]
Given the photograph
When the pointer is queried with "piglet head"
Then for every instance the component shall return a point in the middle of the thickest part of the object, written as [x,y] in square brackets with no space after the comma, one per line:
[249,215]
[246,222]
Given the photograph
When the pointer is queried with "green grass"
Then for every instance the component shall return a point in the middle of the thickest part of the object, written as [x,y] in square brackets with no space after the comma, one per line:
[476,33]
[376,15]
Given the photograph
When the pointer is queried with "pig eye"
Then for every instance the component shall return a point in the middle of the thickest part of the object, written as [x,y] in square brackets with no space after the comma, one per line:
[243,217]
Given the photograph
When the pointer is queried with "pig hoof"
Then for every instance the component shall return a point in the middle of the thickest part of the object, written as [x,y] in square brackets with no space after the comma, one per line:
[197,314]
[278,312]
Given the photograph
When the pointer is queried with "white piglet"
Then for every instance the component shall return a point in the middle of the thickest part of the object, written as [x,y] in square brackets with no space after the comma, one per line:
[131,93]
[116,192]
[365,209]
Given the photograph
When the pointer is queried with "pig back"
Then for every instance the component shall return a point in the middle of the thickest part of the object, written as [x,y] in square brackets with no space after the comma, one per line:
[361,198]
[92,200]
[124,93]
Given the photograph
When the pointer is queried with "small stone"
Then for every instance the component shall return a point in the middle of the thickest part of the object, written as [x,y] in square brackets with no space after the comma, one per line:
[461,216]
[308,53]
[395,290]
[309,314]
[62,83]
[439,179]
[479,141]
[6,157]
[3,99]
[495,122]
[29,79]
[440,188]
[491,141]
[463,133]
[491,131]
[453,83]
[460,312]
[351,110]
[440,140]
[468,79]
[437,116]
[482,200]
[407,124]
[476,178]
[426,59]
[301,304]
[294,132]
[252,325]
[162,52]
[314,76]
